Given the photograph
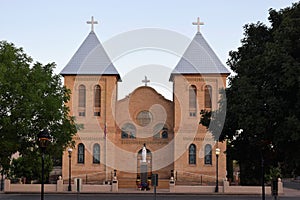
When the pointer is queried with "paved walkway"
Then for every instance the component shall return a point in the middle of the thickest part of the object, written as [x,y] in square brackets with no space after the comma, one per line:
[291,188]
[291,192]
[136,191]
[288,192]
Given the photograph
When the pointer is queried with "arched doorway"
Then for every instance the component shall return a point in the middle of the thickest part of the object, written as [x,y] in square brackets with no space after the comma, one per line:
[144,169]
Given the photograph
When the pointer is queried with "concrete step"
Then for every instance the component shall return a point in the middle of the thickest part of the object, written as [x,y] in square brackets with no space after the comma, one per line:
[131,183]
[127,183]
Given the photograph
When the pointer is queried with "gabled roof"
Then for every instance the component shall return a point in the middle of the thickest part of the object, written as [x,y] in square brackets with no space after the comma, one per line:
[199,58]
[90,59]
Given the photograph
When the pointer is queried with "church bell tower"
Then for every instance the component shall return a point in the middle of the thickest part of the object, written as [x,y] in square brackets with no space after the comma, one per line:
[197,79]
[92,79]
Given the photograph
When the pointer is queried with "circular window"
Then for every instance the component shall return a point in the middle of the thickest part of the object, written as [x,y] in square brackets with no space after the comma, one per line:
[144,118]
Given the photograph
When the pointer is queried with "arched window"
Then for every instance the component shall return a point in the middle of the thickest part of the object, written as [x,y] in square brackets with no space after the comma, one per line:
[97,100]
[96,154]
[164,133]
[160,131]
[80,156]
[208,96]
[81,100]
[192,100]
[208,155]
[128,131]
[192,154]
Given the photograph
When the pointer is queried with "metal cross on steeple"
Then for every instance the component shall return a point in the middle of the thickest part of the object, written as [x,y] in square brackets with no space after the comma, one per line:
[198,23]
[146,81]
[92,22]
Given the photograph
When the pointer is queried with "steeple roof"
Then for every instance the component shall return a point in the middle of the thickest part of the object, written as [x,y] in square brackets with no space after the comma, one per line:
[199,58]
[90,59]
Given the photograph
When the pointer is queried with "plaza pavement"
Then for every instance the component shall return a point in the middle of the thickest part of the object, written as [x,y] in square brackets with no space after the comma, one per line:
[290,189]
[288,192]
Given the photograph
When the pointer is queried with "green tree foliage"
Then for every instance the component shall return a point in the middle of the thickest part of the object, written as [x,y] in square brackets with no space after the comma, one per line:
[263,98]
[29,167]
[32,98]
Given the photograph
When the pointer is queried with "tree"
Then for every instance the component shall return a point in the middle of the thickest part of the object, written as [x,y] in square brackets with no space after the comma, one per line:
[263,98]
[32,98]
[29,167]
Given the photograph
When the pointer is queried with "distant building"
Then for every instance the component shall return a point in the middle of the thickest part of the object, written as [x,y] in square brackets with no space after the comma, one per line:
[115,131]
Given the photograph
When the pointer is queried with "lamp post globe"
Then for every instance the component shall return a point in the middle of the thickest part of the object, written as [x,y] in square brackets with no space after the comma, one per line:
[44,139]
[70,151]
[218,151]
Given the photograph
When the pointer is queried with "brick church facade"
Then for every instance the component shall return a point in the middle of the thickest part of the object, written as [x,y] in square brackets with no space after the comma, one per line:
[115,131]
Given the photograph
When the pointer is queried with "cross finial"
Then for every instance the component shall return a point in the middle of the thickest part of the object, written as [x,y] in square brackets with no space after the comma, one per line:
[146,81]
[92,22]
[198,23]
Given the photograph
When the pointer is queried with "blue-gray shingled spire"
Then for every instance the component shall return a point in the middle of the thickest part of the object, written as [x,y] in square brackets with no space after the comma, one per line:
[199,58]
[90,59]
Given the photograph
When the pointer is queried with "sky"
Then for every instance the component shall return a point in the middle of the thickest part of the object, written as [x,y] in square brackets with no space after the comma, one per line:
[52,31]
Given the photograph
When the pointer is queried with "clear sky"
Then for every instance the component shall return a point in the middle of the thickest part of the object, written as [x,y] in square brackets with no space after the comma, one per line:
[52,31]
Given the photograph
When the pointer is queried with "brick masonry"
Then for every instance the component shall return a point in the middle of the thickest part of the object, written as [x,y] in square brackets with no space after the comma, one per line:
[164,154]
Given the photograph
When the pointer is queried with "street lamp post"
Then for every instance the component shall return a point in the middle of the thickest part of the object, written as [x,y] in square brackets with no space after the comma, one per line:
[44,139]
[70,154]
[263,195]
[217,170]
[2,180]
